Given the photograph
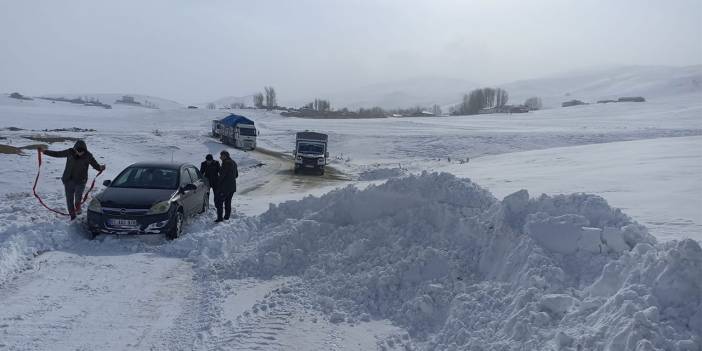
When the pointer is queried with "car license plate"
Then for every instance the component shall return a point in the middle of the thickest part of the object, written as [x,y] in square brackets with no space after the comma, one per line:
[123,222]
[309,166]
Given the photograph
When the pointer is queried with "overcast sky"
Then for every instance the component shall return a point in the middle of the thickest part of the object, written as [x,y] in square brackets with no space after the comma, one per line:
[200,50]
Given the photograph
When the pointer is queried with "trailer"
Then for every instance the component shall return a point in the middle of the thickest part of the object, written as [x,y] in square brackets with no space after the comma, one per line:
[311,152]
[235,130]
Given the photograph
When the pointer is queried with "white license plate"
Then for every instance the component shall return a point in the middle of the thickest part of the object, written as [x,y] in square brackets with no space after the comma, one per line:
[309,166]
[123,222]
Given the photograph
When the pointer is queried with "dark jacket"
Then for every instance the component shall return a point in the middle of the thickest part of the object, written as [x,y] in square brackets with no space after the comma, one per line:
[76,166]
[210,172]
[227,177]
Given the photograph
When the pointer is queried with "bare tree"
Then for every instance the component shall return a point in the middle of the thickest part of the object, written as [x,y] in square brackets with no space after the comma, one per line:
[436,110]
[533,103]
[501,97]
[271,102]
[479,99]
[489,96]
[258,100]
[211,106]
[321,105]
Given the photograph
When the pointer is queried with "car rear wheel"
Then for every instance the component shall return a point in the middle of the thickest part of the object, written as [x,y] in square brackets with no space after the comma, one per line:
[177,227]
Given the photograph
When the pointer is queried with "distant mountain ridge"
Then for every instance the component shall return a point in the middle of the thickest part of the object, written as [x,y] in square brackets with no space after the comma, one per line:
[609,83]
[588,85]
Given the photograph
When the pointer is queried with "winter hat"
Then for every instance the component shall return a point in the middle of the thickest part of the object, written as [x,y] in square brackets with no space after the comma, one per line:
[209,157]
[80,146]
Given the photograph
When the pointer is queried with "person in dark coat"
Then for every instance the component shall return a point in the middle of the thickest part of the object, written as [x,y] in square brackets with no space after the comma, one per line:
[226,186]
[210,170]
[75,174]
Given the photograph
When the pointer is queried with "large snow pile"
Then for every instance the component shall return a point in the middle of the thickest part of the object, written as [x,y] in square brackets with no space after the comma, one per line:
[439,255]
[463,270]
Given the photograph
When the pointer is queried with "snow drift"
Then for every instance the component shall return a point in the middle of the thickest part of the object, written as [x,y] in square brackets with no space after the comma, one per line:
[441,256]
[463,270]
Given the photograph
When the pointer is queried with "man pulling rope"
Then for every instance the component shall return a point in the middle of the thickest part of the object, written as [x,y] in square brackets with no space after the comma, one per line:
[75,175]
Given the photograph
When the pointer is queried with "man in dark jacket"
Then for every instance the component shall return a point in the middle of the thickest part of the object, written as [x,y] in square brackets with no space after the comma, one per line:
[75,175]
[210,170]
[226,186]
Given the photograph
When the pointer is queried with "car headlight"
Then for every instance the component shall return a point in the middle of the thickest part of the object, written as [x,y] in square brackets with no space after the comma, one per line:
[95,206]
[160,207]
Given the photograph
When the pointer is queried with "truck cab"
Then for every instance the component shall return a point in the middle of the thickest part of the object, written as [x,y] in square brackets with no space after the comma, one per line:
[311,152]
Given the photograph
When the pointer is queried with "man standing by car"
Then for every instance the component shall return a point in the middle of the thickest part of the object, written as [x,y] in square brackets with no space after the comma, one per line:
[226,186]
[75,175]
[210,170]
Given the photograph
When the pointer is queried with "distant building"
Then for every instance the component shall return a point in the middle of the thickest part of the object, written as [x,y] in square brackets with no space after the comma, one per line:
[126,99]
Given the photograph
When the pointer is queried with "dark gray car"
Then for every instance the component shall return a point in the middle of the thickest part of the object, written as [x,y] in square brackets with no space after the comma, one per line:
[149,198]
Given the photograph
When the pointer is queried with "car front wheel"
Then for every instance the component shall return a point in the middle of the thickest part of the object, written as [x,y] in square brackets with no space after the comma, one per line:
[177,227]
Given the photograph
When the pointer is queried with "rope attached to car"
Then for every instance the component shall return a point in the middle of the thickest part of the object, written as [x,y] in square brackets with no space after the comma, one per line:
[78,205]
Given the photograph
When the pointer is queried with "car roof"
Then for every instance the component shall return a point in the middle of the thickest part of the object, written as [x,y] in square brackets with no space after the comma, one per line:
[160,164]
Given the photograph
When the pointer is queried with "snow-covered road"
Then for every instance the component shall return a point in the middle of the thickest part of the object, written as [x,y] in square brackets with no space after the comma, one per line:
[95,301]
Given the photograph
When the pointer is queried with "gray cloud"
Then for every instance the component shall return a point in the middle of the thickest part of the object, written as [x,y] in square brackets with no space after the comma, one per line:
[195,51]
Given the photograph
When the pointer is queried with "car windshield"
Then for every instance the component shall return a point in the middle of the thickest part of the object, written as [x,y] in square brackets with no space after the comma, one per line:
[147,178]
[307,148]
[247,131]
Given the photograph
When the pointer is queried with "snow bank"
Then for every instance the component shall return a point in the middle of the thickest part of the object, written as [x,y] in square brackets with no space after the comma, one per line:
[463,270]
[441,256]
[25,234]
[381,173]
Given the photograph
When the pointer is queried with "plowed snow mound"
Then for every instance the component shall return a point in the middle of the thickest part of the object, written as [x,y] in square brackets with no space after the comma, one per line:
[463,270]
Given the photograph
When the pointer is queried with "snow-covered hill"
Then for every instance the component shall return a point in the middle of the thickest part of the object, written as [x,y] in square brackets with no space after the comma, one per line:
[588,85]
[591,85]
[402,94]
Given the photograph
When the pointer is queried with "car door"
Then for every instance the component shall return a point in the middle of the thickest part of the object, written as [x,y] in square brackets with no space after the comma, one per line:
[189,196]
[199,182]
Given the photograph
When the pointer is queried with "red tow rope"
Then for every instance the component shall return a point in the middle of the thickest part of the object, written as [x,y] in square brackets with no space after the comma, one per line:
[78,205]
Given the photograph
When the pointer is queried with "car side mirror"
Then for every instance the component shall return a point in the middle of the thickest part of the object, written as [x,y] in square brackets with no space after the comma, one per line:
[294,152]
[107,182]
[326,154]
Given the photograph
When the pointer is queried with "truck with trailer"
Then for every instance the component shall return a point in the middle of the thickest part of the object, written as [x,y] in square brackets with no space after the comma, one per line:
[311,152]
[235,130]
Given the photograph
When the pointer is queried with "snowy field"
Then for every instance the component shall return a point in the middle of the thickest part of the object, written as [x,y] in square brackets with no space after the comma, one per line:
[397,251]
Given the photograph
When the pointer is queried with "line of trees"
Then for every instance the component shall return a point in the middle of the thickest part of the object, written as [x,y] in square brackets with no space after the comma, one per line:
[320,105]
[271,101]
[534,103]
[268,99]
[479,99]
